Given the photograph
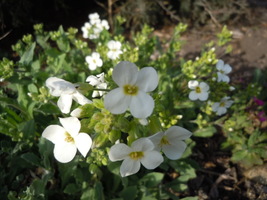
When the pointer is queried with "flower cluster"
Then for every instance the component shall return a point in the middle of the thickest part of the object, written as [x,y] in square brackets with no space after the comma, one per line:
[94,27]
[201,90]
[146,151]
[125,99]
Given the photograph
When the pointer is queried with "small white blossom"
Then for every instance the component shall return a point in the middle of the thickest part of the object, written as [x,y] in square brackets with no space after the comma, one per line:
[104,24]
[94,61]
[132,90]
[200,90]
[141,152]
[220,108]
[114,49]
[67,139]
[171,141]
[223,70]
[94,18]
[231,88]
[98,82]
[66,92]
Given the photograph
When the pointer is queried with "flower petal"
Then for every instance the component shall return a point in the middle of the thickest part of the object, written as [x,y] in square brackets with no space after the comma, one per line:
[125,73]
[204,86]
[142,144]
[215,106]
[221,111]
[193,95]
[174,150]
[156,138]
[83,143]
[65,151]
[177,133]
[152,159]
[219,65]
[227,69]
[64,103]
[80,99]
[116,101]
[71,124]
[203,96]
[92,80]
[192,84]
[54,133]
[141,105]
[119,152]
[147,79]
[129,167]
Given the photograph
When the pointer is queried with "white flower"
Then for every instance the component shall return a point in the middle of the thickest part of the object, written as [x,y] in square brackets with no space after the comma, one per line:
[90,31]
[231,88]
[94,18]
[200,90]
[141,152]
[104,24]
[132,90]
[94,61]
[98,82]
[171,141]
[85,29]
[66,92]
[223,69]
[67,139]
[221,107]
[114,49]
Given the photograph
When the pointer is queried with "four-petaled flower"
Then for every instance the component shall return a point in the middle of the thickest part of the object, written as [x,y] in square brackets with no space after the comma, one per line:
[171,141]
[132,90]
[98,82]
[94,61]
[141,152]
[114,49]
[66,92]
[200,90]
[221,107]
[223,70]
[67,139]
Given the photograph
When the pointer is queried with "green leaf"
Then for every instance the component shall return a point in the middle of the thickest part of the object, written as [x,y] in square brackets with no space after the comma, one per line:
[71,188]
[32,158]
[239,155]
[205,132]
[27,128]
[129,193]
[152,179]
[27,56]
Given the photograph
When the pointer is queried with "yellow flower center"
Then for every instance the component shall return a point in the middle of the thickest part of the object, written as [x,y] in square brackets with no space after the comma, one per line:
[164,141]
[222,104]
[130,89]
[198,89]
[68,138]
[136,155]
